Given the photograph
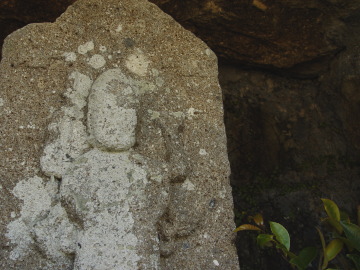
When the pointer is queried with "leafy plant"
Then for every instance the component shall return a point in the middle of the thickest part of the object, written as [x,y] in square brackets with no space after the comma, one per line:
[344,234]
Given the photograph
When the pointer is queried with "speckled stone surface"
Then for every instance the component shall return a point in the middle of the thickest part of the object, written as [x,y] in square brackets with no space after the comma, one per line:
[113,144]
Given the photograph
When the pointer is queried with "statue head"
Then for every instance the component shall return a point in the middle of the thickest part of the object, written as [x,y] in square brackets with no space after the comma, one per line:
[111,114]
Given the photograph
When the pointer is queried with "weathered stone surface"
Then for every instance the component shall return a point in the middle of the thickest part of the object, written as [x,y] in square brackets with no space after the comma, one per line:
[113,144]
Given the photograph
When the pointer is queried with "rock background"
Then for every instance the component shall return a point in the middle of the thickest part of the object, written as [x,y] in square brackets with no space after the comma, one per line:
[290,72]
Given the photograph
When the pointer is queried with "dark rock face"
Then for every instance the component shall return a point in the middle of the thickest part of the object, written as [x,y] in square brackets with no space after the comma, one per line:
[272,33]
[291,142]
[33,10]
[268,33]
[290,71]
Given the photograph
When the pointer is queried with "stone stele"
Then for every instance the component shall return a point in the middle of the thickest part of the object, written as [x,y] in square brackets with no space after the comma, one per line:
[113,149]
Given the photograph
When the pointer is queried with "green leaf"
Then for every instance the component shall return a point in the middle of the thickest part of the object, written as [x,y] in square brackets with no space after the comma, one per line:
[281,234]
[333,249]
[352,232]
[264,240]
[334,214]
[247,227]
[334,224]
[344,216]
[305,257]
[322,239]
[331,209]
[286,252]
[356,260]
[348,243]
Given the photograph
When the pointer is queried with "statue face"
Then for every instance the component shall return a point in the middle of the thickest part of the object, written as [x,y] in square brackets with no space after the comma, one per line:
[111,116]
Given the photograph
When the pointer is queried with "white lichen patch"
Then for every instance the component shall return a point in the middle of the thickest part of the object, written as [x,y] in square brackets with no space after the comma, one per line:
[19,234]
[36,204]
[193,111]
[80,90]
[41,223]
[56,236]
[155,72]
[102,251]
[102,49]
[72,136]
[99,185]
[97,61]
[137,63]
[99,181]
[70,56]
[2,102]
[188,185]
[119,28]
[159,81]
[70,143]
[84,48]
[153,114]
[177,114]
[158,178]
[208,52]
[222,193]
[31,126]
[144,87]
[203,152]
[35,197]
[111,126]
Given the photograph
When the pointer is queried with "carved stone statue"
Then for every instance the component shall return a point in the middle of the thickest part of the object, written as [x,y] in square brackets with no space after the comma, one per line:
[128,166]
